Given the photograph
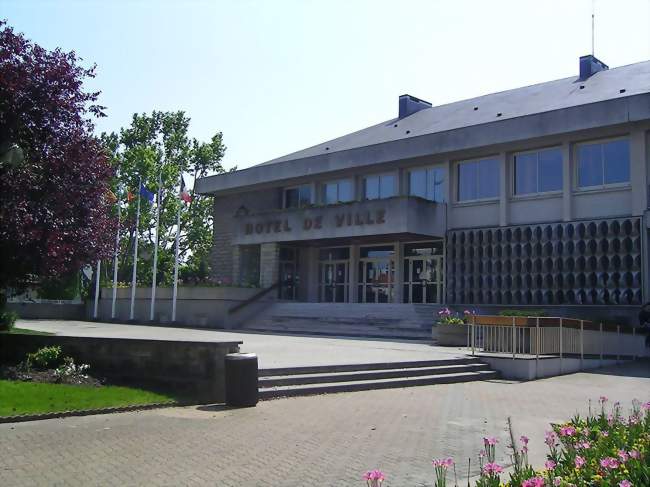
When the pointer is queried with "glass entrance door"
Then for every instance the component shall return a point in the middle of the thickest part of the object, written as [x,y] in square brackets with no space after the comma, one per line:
[376,278]
[423,279]
[334,280]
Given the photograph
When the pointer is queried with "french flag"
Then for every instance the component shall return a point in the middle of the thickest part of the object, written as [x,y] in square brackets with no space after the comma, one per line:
[184,195]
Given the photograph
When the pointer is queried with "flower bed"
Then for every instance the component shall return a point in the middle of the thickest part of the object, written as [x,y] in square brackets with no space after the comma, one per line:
[606,448]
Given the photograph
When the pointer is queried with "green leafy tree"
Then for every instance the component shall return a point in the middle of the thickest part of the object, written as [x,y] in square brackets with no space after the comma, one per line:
[157,146]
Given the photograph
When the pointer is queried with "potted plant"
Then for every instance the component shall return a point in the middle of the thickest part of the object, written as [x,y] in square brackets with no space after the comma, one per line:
[450,328]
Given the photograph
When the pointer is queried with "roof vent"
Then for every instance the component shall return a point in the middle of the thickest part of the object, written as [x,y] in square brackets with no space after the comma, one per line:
[408,105]
[590,65]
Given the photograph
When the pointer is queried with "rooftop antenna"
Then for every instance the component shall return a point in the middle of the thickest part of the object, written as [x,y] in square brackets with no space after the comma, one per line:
[593,12]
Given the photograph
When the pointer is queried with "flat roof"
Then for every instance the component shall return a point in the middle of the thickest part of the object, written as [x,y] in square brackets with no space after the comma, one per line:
[608,97]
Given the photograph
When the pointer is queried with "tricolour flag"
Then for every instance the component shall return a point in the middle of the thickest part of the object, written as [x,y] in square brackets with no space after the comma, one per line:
[146,193]
[184,195]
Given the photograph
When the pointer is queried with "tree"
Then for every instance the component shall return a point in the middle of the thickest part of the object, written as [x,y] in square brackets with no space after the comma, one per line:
[54,174]
[154,145]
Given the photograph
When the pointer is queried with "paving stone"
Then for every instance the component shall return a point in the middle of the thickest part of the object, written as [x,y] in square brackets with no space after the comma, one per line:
[319,440]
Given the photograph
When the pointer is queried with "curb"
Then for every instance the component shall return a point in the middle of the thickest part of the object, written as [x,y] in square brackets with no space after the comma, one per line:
[89,412]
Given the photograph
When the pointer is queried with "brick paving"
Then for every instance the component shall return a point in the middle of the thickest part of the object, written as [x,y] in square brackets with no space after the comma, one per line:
[310,441]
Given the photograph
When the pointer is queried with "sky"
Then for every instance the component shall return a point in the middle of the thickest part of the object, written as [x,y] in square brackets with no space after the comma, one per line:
[279,76]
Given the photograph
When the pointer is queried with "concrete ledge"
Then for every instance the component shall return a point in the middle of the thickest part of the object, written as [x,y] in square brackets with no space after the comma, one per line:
[187,368]
[48,311]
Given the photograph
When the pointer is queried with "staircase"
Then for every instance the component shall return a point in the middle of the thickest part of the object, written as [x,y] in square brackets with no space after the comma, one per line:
[397,321]
[303,381]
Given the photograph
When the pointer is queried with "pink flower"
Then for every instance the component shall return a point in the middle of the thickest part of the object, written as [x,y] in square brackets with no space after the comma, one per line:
[490,440]
[604,433]
[609,462]
[481,454]
[602,399]
[585,445]
[567,431]
[443,462]
[524,439]
[557,481]
[374,475]
[579,461]
[492,469]
[625,483]
[622,454]
[646,406]
[524,449]
[550,438]
[533,482]
[635,454]
[550,464]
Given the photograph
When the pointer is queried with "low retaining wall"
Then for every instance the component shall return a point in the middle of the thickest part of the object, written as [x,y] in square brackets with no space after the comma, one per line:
[530,369]
[202,307]
[37,311]
[194,369]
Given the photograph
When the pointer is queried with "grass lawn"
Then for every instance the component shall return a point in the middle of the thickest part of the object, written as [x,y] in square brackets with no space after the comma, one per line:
[18,397]
[25,331]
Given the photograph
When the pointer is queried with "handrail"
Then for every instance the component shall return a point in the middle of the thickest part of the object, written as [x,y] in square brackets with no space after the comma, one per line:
[257,296]
[548,321]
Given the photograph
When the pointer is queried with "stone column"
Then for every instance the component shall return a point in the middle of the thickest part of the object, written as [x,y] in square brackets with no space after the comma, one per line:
[399,278]
[353,289]
[269,264]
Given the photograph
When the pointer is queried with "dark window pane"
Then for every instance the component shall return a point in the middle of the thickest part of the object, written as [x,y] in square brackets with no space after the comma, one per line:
[526,173]
[550,170]
[305,195]
[371,187]
[331,193]
[488,178]
[435,184]
[291,199]
[383,251]
[418,183]
[617,161]
[387,189]
[590,165]
[467,181]
[345,191]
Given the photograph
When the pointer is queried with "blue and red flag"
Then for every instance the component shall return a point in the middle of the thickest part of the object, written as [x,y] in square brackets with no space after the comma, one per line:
[146,193]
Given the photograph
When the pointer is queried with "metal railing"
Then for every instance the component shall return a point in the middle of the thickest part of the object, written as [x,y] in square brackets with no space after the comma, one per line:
[552,337]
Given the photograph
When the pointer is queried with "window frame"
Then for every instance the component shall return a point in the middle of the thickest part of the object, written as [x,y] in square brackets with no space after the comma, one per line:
[297,186]
[490,199]
[365,177]
[338,199]
[604,186]
[426,169]
[535,194]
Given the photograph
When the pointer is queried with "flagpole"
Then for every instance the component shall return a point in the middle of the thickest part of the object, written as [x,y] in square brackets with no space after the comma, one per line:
[96,290]
[152,308]
[178,234]
[135,252]
[115,259]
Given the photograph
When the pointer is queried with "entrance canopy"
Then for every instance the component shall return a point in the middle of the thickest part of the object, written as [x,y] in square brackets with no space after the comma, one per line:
[375,218]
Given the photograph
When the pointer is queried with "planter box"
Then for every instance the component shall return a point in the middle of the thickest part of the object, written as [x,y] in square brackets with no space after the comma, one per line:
[450,335]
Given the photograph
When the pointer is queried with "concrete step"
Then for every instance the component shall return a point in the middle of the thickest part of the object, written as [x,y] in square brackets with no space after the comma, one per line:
[369,332]
[364,385]
[322,369]
[356,376]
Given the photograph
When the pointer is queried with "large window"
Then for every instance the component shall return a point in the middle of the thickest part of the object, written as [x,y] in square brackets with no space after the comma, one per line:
[428,183]
[379,186]
[538,172]
[338,191]
[297,197]
[478,180]
[604,163]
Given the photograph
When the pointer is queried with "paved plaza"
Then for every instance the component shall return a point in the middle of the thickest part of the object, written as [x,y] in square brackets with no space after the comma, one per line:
[272,350]
[309,441]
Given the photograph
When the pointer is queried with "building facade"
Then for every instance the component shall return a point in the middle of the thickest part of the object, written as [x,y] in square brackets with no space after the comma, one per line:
[536,196]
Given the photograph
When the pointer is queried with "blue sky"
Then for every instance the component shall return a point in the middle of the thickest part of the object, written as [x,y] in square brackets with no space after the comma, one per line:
[279,76]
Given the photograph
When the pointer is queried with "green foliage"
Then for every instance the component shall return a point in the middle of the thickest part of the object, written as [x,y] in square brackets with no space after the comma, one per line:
[34,398]
[44,358]
[522,312]
[63,288]
[158,144]
[7,320]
